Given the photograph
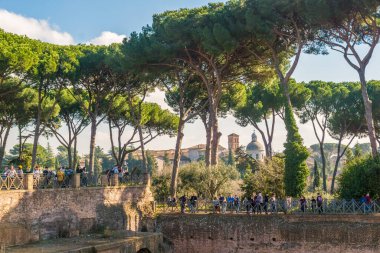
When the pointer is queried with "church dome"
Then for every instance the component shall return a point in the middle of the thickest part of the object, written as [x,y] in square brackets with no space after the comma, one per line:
[254,145]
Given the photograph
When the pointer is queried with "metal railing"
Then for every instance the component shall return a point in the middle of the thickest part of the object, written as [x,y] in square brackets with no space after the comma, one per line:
[279,206]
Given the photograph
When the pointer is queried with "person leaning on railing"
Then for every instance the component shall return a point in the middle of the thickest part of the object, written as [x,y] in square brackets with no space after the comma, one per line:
[20,172]
[60,177]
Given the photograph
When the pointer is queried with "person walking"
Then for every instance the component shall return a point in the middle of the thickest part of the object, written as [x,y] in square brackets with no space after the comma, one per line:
[183,203]
[273,203]
[303,204]
[320,203]
[237,204]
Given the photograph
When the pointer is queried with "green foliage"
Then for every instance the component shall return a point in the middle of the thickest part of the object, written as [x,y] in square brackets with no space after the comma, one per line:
[206,181]
[103,161]
[151,163]
[161,186]
[62,158]
[231,158]
[244,162]
[50,158]
[268,178]
[44,157]
[296,170]
[360,176]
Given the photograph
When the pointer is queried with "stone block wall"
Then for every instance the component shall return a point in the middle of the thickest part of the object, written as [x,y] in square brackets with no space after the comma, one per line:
[211,233]
[27,216]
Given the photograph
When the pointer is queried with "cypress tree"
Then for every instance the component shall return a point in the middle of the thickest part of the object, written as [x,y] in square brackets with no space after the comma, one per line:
[231,158]
[296,170]
[317,177]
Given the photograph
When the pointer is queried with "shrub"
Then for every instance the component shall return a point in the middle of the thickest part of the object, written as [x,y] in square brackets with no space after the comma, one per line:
[360,176]
[267,178]
[207,181]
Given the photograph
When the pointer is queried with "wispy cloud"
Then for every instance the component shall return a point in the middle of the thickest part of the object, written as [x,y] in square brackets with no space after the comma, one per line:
[33,28]
[107,38]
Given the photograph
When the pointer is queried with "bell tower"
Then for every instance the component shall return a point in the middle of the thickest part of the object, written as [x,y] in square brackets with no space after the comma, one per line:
[233,141]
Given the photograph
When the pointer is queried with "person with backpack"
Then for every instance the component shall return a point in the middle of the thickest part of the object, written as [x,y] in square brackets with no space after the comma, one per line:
[223,203]
[303,204]
[237,204]
[60,177]
[273,204]
[266,202]
[320,203]
[259,202]
[183,203]
[313,204]
[193,204]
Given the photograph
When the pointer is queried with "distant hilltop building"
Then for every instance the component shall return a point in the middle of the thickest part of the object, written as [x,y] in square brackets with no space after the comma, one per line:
[195,153]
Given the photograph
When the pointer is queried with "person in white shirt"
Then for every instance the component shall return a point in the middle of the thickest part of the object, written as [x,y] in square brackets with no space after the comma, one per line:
[12,172]
[36,172]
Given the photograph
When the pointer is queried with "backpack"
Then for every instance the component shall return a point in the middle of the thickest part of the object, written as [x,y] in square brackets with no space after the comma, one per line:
[60,176]
[319,199]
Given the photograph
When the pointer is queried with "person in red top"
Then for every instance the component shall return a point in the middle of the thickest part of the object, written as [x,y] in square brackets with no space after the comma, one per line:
[368,202]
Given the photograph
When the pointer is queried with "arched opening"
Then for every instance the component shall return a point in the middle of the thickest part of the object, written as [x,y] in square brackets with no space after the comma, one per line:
[144,250]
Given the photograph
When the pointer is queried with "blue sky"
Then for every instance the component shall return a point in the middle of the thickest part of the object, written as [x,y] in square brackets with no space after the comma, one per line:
[84,19]
[102,22]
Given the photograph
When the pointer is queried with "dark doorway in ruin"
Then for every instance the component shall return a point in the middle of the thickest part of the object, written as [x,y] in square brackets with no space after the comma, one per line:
[145,250]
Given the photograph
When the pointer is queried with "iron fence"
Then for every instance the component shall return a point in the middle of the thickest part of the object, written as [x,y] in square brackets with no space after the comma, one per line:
[333,206]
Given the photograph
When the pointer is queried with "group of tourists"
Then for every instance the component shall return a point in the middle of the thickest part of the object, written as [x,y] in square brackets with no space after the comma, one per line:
[117,170]
[261,203]
[316,204]
[45,176]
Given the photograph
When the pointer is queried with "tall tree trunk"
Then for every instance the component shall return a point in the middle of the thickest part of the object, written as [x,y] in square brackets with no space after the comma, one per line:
[144,162]
[177,158]
[368,113]
[338,158]
[75,162]
[215,135]
[37,128]
[69,155]
[206,122]
[92,145]
[266,143]
[336,166]
[19,142]
[4,144]
[323,157]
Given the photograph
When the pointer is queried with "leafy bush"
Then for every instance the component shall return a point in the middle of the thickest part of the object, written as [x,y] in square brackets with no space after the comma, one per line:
[360,176]
[161,186]
[207,181]
[267,178]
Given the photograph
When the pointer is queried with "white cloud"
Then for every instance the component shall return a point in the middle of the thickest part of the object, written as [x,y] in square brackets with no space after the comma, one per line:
[33,28]
[107,38]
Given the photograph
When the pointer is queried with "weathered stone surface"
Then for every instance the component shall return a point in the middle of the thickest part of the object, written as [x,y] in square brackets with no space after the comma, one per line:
[27,216]
[271,234]
[122,242]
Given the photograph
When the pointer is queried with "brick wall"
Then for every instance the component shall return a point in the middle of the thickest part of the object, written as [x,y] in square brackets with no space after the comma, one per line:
[27,216]
[271,234]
